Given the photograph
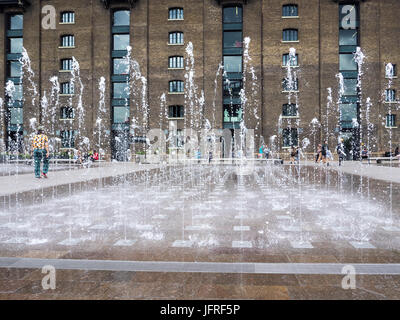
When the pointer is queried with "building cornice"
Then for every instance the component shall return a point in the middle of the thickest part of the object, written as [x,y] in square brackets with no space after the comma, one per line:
[22,4]
[231,2]
[107,3]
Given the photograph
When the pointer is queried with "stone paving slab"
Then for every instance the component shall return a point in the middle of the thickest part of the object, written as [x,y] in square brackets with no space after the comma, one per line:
[26,182]
[200,267]
[372,171]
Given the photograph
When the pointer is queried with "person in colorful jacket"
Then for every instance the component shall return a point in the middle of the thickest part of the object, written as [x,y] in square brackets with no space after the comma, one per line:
[40,146]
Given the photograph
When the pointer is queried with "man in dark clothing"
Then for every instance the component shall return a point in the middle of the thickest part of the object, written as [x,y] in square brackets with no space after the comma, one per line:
[340,151]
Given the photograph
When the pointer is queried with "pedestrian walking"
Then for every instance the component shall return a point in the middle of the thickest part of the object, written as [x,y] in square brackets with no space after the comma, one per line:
[40,146]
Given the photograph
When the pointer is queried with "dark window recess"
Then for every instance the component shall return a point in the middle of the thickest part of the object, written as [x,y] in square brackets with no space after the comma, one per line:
[292,85]
[390,120]
[67,113]
[67,138]
[176,112]
[290,35]
[175,62]
[68,17]
[290,137]
[289,110]
[176,86]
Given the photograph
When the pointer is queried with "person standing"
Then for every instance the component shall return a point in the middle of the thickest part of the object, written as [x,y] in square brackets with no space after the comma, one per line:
[40,146]
[324,151]
[340,151]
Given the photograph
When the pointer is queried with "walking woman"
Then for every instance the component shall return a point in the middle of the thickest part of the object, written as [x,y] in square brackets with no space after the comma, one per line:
[40,146]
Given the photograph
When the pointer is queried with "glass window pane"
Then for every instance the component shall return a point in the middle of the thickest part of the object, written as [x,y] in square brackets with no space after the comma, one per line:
[16,116]
[350,87]
[290,11]
[120,90]
[347,62]
[233,15]
[348,37]
[290,35]
[233,63]
[232,88]
[121,115]
[120,66]
[16,45]
[293,60]
[121,41]
[15,69]
[348,114]
[121,18]
[18,94]
[16,22]
[232,39]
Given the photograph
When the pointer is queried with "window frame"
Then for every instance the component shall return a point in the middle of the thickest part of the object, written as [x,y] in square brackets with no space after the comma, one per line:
[178,112]
[296,88]
[179,85]
[288,30]
[128,93]
[70,36]
[288,55]
[391,122]
[289,5]
[69,85]
[293,106]
[176,19]
[291,133]
[390,98]
[179,62]
[176,43]
[69,64]
[68,13]
[70,138]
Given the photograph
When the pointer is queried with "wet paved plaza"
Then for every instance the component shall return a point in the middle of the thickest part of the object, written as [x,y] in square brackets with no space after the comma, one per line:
[220,214]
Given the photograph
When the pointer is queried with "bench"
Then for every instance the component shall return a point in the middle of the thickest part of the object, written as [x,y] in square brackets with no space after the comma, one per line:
[381,159]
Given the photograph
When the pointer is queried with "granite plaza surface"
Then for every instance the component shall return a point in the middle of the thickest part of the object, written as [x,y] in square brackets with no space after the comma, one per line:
[188,232]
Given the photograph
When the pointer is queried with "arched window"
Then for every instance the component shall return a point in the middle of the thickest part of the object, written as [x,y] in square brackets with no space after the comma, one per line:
[67,41]
[286,59]
[176,86]
[176,112]
[67,17]
[290,35]
[175,14]
[175,62]
[289,110]
[66,64]
[176,37]
[121,18]
[67,88]
[290,10]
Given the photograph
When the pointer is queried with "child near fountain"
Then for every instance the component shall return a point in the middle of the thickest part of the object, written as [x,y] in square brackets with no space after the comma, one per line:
[40,146]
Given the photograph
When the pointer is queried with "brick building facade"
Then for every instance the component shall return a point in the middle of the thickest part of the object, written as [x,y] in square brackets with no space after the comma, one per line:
[251,38]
